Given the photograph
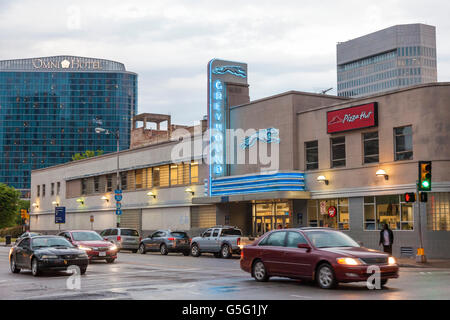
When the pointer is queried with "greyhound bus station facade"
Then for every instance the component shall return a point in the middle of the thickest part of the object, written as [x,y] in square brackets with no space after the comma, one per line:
[306,160]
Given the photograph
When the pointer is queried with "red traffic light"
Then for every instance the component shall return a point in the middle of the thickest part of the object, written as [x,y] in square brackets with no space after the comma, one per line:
[410,197]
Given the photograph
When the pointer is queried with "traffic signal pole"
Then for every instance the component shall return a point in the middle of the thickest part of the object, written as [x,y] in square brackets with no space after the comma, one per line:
[420,257]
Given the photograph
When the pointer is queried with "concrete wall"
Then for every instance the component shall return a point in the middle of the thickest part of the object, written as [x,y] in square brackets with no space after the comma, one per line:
[177,218]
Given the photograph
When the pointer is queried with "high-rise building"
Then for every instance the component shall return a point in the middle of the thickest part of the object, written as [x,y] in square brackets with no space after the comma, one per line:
[388,59]
[50,106]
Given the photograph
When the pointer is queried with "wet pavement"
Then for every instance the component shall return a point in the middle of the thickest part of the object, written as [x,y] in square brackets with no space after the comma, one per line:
[152,276]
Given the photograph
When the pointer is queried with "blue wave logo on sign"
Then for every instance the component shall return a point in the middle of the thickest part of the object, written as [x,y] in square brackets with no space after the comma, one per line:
[234,70]
[270,135]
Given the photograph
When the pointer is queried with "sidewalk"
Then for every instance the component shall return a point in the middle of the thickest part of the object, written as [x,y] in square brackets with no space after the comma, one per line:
[431,263]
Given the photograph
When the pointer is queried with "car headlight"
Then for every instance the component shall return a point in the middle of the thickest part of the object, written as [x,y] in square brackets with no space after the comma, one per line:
[84,248]
[49,257]
[349,261]
[113,247]
[392,261]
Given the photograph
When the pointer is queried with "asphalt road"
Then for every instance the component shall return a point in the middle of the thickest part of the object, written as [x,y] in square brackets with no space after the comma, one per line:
[152,276]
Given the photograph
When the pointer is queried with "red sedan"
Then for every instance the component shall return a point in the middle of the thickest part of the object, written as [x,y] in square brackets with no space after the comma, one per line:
[321,254]
[95,246]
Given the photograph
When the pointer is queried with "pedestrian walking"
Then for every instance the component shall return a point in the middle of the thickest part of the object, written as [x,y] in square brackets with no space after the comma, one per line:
[386,239]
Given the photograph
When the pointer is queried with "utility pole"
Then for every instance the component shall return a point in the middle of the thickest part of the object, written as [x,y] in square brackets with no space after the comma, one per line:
[420,257]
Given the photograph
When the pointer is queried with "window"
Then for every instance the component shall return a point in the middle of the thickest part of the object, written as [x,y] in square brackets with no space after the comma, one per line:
[58,187]
[96,184]
[207,233]
[389,209]
[312,155]
[194,172]
[276,239]
[109,182]
[370,140]
[294,238]
[164,176]
[138,179]
[438,211]
[215,233]
[155,177]
[148,175]
[318,215]
[403,143]
[123,180]
[113,232]
[338,152]
[43,190]
[52,189]
[174,175]
[38,190]
[83,186]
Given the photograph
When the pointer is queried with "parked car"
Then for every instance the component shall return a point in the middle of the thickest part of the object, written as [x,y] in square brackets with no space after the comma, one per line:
[27,234]
[94,245]
[222,241]
[166,241]
[321,254]
[40,253]
[123,238]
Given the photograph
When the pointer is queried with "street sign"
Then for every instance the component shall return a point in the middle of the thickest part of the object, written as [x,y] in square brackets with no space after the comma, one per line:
[118,197]
[60,215]
[92,218]
[118,191]
[118,212]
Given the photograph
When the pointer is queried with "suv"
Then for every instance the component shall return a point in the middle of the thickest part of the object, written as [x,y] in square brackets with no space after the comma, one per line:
[166,241]
[123,238]
[222,241]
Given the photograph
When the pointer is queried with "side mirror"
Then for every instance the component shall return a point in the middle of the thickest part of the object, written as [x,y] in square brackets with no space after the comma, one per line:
[304,246]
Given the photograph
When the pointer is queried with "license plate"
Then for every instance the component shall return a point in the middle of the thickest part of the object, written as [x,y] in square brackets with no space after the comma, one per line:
[102,254]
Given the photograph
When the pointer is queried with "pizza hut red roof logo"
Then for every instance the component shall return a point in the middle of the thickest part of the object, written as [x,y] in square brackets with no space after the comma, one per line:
[352,118]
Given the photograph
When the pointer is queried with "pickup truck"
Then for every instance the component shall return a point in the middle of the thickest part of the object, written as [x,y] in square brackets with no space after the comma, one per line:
[222,241]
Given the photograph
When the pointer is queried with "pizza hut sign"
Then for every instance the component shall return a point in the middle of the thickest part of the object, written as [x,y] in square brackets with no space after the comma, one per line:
[352,118]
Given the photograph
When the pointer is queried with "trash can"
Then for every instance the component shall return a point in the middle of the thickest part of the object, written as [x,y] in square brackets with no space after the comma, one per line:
[7,240]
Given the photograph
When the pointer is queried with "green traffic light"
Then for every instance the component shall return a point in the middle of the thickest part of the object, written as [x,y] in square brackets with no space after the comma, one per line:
[425,184]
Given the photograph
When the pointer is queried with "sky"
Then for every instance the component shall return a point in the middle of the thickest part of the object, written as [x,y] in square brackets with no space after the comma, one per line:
[287,44]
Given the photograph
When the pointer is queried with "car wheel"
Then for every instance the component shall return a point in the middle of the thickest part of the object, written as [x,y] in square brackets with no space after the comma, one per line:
[13,266]
[259,271]
[142,248]
[186,253]
[83,270]
[225,251]
[163,250]
[384,282]
[325,276]
[195,251]
[110,260]
[35,268]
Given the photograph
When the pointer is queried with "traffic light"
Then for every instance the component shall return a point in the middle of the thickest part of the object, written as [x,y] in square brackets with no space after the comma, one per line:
[424,176]
[423,197]
[410,197]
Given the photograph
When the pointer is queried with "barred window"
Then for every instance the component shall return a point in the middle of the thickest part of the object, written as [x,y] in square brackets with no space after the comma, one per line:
[438,211]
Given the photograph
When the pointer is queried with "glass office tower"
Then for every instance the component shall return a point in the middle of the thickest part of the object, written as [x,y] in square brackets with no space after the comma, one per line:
[50,107]
[385,60]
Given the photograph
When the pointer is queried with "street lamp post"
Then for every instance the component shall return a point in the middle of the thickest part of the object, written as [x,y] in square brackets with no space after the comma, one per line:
[116,135]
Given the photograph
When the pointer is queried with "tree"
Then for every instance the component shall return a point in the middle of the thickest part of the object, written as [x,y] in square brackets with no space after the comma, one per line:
[86,154]
[9,205]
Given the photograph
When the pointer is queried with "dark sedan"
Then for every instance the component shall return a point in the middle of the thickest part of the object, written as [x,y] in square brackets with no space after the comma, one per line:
[166,241]
[324,255]
[42,253]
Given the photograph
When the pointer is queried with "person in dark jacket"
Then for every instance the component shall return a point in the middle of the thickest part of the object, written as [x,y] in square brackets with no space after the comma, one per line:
[386,239]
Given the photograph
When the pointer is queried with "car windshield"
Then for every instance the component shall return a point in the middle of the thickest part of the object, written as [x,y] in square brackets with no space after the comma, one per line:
[129,232]
[50,242]
[86,236]
[231,232]
[179,235]
[330,239]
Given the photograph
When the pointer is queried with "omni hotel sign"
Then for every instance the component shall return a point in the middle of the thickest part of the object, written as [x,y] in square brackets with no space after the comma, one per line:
[72,63]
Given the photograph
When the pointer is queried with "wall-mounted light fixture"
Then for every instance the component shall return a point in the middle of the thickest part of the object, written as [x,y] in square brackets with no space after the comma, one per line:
[79,200]
[35,205]
[381,173]
[151,194]
[55,203]
[189,190]
[105,198]
[322,179]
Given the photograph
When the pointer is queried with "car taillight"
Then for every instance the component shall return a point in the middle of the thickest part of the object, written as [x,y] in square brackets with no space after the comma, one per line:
[238,241]
[119,238]
[171,239]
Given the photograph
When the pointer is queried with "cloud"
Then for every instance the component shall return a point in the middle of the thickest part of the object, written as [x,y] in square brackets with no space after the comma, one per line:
[288,44]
